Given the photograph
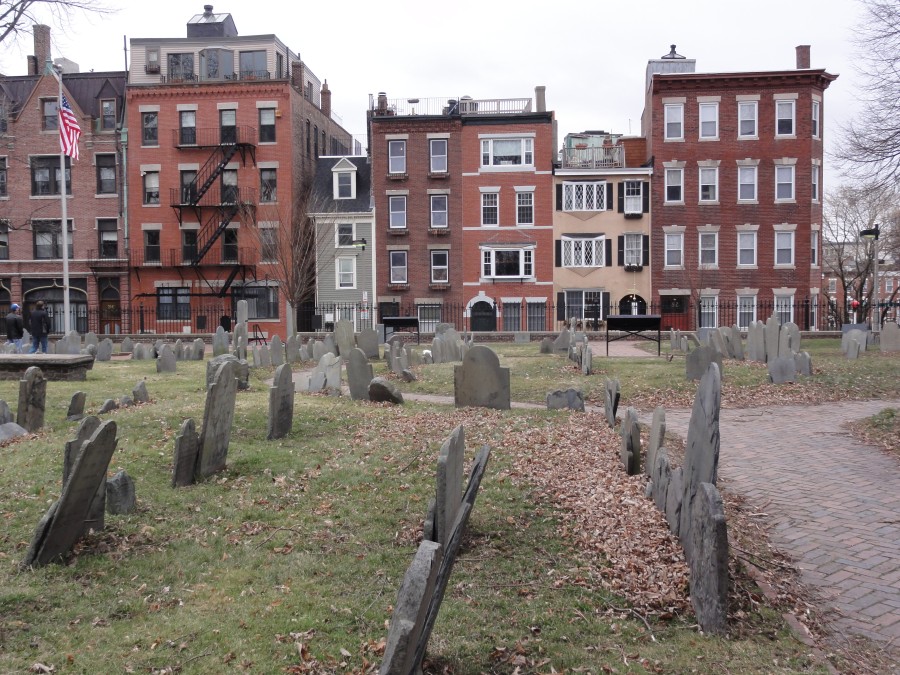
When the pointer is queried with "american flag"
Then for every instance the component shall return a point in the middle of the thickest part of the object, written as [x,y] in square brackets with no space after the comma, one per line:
[69,131]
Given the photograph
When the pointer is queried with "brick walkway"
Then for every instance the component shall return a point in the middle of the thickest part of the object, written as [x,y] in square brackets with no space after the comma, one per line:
[834,504]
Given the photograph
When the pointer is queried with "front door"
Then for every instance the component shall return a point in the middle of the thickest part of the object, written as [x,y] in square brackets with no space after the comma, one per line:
[484,317]
[110,317]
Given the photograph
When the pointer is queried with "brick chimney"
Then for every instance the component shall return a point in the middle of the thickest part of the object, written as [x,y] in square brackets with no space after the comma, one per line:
[540,96]
[802,57]
[326,100]
[37,62]
[297,75]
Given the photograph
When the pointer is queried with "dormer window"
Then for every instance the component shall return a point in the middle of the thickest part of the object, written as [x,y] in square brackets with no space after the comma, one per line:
[345,185]
[344,180]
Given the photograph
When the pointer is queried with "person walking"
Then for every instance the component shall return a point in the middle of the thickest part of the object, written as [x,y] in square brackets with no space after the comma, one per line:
[15,329]
[39,324]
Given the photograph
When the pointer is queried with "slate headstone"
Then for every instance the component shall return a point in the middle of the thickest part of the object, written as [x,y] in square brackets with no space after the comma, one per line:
[382,390]
[139,393]
[782,369]
[890,337]
[656,440]
[697,361]
[343,336]
[276,351]
[220,342]
[104,350]
[611,400]
[480,381]
[32,399]
[449,484]
[166,362]
[11,430]
[218,416]
[281,403]
[709,561]
[803,362]
[108,406]
[6,415]
[187,450]
[359,374]
[367,340]
[126,346]
[76,407]
[566,399]
[292,349]
[547,346]
[563,341]
[120,496]
[631,442]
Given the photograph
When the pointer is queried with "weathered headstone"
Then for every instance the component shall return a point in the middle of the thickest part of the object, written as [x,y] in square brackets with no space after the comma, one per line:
[137,352]
[520,337]
[187,450]
[674,496]
[854,347]
[276,351]
[697,361]
[656,440]
[661,476]
[220,342]
[382,390]
[241,370]
[890,337]
[292,349]
[218,416]
[318,350]
[139,393]
[587,360]
[566,399]
[611,400]
[480,381]
[165,362]
[76,407]
[803,362]
[547,346]
[782,369]
[631,442]
[737,344]
[120,497]
[709,561]
[265,356]
[367,340]
[10,430]
[6,415]
[243,311]
[449,484]
[199,349]
[125,401]
[756,342]
[32,399]
[178,350]
[108,406]
[343,336]
[859,335]
[328,343]
[105,350]
[359,374]
[126,346]
[281,403]
[562,343]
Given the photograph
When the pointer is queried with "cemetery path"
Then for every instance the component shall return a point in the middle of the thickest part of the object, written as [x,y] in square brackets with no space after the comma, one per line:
[834,504]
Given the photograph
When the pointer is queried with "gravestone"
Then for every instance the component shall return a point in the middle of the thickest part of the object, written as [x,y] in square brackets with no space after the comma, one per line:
[91,339]
[547,346]
[449,485]
[328,344]
[861,336]
[187,449]
[318,350]
[276,351]
[306,350]
[343,336]
[803,363]
[661,476]
[384,391]
[137,352]
[165,362]
[331,364]
[241,370]
[199,349]
[108,406]
[125,401]
[566,399]
[220,342]
[789,339]
[10,430]
[480,381]
[126,346]
[697,362]
[773,337]
[717,341]
[65,521]
[243,311]
[520,337]
[359,374]
[737,344]
[890,337]
[611,400]
[701,454]
[120,497]
[437,350]
[178,350]
[563,342]
[367,340]
[76,407]
[71,450]
[6,415]
[292,349]
[656,440]
[265,356]
[854,347]
[756,342]
[631,442]
[587,360]
[218,416]
[104,350]
[782,369]
[709,562]
[32,400]
[674,496]
[281,403]
[407,376]
[674,340]
[139,393]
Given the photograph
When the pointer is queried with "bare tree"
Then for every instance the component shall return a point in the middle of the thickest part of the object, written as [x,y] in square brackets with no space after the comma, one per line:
[870,148]
[18,16]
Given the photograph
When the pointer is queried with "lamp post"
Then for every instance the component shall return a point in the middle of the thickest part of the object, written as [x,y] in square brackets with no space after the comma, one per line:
[872,234]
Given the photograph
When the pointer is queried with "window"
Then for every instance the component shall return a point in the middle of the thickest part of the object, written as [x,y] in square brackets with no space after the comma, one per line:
[429,317]
[584,196]
[784,308]
[784,248]
[106,174]
[345,269]
[784,118]
[816,112]
[507,151]
[3,189]
[815,182]
[674,250]
[490,208]
[108,114]
[397,206]
[440,267]
[634,249]
[746,243]
[4,116]
[746,183]
[230,193]
[814,248]
[152,65]
[709,120]
[181,67]
[151,246]
[107,232]
[517,262]
[48,239]
[747,116]
[746,311]
[439,211]
[4,240]
[262,301]
[398,267]
[216,64]
[49,114]
[188,245]
[396,156]
[674,180]
[512,316]
[582,251]
[889,285]
[709,311]
[674,119]
[584,305]
[316,139]
[253,64]
[709,184]
[536,316]
[151,187]
[188,187]
[268,185]
[149,128]
[308,139]
[345,185]
[173,303]
[45,177]
[187,127]
[228,126]
[709,249]
[832,286]
[438,148]
[524,208]
[230,250]
[344,233]
[633,196]
[784,183]
[267,126]
[268,242]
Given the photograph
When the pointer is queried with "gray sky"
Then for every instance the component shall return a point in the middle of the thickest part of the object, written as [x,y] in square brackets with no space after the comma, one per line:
[591,55]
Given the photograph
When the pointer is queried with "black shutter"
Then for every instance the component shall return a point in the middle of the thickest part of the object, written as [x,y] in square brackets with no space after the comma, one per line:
[557,245]
[559,197]
[608,252]
[605,300]
[622,197]
[645,254]
[645,191]
[621,255]
[561,306]
[609,197]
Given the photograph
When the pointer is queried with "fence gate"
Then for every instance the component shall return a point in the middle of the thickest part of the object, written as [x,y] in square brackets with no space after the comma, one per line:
[484,316]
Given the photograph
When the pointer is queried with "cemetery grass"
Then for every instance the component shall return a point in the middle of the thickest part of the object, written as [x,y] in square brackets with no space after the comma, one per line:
[290,560]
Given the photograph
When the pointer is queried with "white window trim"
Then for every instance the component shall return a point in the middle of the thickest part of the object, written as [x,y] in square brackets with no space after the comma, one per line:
[706,231]
[392,158]
[747,165]
[597,243]
[781,230]
[431,155]
[336,173]
[431,212]
[519,195]
[405,212]
[700,184]
[816,196]
[570,189]
[668,109]
[781,98]
[337,236]
[391,267]
[681,174]
[744,229]
[522,256]
[673,230]
[337,272]
[707,105]
[793,169]
[816,114]
[432,266]
[630,199]
[526,148]
[755,135]
[484,193]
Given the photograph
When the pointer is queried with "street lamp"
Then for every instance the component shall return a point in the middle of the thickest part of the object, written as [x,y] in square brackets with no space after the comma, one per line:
[872,235]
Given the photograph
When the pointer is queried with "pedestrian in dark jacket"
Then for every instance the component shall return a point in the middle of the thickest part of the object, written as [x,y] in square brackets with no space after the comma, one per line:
[15,329]
[39,323]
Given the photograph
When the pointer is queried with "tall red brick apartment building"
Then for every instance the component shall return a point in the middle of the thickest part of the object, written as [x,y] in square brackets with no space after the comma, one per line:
[736,192]
[223,130]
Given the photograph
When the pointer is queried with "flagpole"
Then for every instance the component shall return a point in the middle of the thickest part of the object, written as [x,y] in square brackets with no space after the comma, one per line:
[67,323]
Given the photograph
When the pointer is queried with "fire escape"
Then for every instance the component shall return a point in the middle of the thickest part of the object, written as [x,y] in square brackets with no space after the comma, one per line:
[215,201]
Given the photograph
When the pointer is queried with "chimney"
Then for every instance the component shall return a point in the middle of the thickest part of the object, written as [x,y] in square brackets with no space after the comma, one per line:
[381,108]
[540,98]
[326,100]
[41,47]
[802,57]
[297,74]
[207,10]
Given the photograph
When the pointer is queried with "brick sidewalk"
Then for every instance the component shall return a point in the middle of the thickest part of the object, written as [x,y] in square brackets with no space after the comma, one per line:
[834,504]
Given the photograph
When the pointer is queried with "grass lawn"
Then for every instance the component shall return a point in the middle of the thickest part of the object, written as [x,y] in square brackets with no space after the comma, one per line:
[290,560]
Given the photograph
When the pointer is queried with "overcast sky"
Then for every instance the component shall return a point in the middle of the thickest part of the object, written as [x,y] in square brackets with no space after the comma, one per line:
[590,54]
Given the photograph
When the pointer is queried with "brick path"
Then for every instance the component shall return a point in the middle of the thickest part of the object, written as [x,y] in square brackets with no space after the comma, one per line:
[834,504]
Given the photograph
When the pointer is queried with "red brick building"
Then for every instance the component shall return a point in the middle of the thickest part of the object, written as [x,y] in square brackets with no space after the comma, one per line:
[224,129]
[31,246]
[736,192]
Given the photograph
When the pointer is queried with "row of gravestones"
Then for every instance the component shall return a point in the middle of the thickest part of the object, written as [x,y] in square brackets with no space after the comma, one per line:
[563,342]
[425,581]
[687,495]
[140,351]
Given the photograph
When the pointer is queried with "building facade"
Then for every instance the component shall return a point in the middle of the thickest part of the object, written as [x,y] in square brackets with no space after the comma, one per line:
[736,192]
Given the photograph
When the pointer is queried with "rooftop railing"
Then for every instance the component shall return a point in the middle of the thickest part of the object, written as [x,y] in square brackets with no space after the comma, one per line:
[602,157]
[407,107]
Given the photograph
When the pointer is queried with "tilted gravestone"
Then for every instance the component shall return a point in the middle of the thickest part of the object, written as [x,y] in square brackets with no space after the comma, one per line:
[449,485]
[6,415]
[241,370]
[125,401]
[65,521]
[384,391]
[105,350]
[674,496]
[276,351]
[32,399]
[10,430]
[803,362]
[343,336]
[76,407]
[367,340]
[562,343]
[697,362]
[709,561]
[218,416]
[187,449]
[108,406]
[656,440]
[611,400]
[71,450]
[166,362]
[139,393]
[480,381]
[281,403]
[566,399]
[631,442]
[359,374]
[120,495]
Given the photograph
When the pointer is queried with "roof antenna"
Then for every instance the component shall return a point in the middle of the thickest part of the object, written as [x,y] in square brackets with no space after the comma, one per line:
[672,54]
